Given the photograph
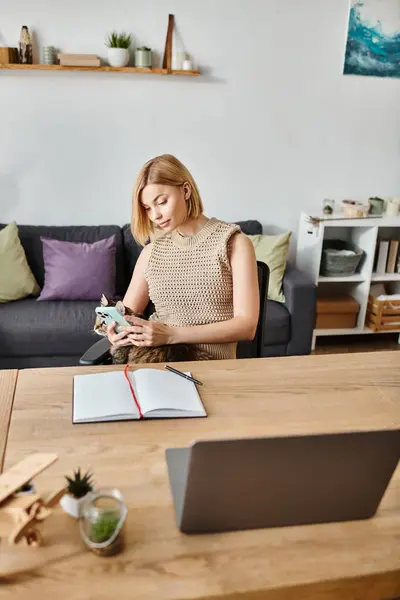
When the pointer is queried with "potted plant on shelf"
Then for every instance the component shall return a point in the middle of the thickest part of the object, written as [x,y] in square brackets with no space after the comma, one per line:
[143,58]
[77,489]
[118,49]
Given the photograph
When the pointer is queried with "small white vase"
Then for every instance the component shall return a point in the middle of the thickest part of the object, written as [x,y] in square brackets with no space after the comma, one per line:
[71,505]
[187,65]
[392,207]
[118,57]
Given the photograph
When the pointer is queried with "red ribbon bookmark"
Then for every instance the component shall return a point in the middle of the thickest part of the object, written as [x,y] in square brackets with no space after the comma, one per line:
[132,391]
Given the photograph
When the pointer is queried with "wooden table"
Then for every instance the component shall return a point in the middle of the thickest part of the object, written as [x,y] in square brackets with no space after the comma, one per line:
[292,395]
[8,381]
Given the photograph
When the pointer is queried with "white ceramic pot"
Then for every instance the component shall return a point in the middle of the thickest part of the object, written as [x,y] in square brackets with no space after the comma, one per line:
[72,506]
[187,65]
[392,207]
[118,57]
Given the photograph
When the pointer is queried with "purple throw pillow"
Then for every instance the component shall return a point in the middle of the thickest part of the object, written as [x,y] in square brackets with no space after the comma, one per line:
[78,271]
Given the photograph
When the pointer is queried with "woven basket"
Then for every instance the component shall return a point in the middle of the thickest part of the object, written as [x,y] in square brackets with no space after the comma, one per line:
[336,265]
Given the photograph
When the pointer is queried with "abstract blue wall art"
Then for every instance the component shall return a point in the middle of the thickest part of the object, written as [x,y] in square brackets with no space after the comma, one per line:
[373,38]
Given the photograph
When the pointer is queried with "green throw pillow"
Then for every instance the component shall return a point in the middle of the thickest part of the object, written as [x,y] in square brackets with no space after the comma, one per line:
[273,251]
[16,278]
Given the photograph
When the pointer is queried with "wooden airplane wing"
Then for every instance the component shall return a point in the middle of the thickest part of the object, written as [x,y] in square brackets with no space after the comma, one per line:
[22,472]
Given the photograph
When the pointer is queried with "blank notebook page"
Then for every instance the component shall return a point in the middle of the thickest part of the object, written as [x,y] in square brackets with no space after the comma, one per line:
[103,396]
[165,391]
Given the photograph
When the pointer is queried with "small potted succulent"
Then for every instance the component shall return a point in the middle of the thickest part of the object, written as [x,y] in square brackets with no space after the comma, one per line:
[78,486]
[118,49]
[143,58]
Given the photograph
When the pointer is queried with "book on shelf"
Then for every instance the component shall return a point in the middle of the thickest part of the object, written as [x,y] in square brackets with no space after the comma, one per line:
[383,250]
[68,55]
[78,60]
[392,257]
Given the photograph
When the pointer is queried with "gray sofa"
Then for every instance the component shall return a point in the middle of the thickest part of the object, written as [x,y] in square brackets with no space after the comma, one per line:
[57,333]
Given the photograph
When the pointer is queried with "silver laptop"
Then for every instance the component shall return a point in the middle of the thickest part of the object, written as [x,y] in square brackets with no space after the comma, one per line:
[227,485]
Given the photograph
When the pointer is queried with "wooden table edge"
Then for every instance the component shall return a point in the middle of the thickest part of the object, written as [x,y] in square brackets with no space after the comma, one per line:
[8,386]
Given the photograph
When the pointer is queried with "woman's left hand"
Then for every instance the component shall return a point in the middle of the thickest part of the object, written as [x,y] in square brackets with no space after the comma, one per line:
[148,333]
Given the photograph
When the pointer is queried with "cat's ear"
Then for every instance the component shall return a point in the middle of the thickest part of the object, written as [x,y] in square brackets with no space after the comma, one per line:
[104,300]
[120,307]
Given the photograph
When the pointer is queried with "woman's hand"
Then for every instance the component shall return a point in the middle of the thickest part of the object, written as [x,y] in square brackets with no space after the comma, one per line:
[148,333]
[117,339]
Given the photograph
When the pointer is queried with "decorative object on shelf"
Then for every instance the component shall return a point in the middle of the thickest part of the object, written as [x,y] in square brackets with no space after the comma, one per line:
[328,206]
[376,206]
[393,207]
[143,58]
[373,39]
[181,61]
[177,60]
[337,312]
[167,60]
[187,65]
[22,509]
[354,210]
[101,525]
[78,60]
[383,312]
[118,49]
[78,488]
[25,46]
[49,55]
[340,258]
[9,56]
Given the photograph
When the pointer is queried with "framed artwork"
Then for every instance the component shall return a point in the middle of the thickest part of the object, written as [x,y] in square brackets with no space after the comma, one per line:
[373,38]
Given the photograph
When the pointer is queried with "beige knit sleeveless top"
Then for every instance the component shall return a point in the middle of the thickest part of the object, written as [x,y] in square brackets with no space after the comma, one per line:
[190,280]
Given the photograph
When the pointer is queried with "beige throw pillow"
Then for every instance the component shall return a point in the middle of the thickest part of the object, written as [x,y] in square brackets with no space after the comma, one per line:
[16,278]
[273,251]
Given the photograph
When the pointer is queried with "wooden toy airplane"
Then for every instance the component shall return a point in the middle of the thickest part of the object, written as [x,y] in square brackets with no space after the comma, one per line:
[20,514]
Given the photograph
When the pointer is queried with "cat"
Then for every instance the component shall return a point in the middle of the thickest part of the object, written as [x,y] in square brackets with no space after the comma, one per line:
[133,354]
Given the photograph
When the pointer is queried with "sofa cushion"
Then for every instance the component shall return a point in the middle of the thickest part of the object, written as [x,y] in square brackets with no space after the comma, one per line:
[273,251]
[16,278]
[31,328]
[78,271]
[250,227]
[277,324]
[30,239]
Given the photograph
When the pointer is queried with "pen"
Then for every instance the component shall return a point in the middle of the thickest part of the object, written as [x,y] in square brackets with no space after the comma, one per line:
[192,379]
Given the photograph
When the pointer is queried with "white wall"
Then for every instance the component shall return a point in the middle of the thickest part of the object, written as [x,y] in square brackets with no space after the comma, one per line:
[273,126]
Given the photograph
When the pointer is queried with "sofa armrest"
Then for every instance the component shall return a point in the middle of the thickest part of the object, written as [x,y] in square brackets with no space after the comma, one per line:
[97,354]
[300,294]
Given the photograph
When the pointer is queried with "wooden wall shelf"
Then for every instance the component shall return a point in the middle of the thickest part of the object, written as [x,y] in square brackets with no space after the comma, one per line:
[96,69]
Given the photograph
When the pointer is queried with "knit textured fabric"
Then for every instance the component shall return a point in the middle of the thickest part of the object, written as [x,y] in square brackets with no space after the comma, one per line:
[190,280]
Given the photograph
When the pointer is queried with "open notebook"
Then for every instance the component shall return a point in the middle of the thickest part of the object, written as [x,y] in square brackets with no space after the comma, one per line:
[155,394]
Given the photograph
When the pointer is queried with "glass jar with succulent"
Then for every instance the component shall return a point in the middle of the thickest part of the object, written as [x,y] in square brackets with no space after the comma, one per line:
[103,517]
[143,58]
[78,487]
[118,48]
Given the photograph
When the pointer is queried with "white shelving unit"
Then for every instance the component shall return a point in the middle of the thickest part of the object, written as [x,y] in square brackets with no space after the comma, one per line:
[365,233]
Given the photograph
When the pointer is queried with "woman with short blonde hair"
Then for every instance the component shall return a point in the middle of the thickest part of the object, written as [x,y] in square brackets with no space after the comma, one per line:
[166,170]
[199,272]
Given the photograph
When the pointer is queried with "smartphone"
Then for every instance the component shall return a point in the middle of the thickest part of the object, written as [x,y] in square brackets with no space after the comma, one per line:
[110,314]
